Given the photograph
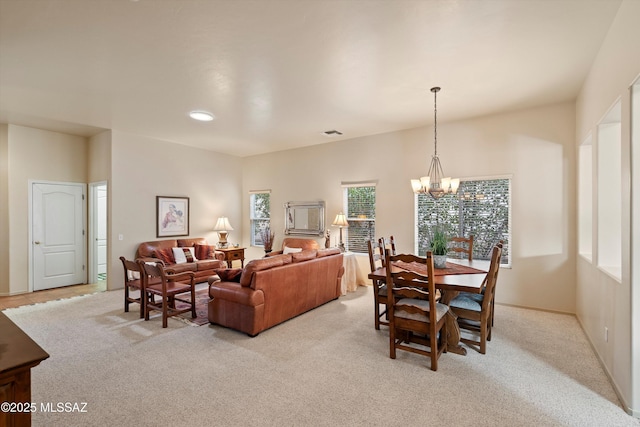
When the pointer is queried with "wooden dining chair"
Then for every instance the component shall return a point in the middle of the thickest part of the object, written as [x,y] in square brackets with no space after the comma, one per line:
[416,321]
[462,246]
[390,244]
[493,298]
[133,280]
[474,311]
[376,260]
[170,288]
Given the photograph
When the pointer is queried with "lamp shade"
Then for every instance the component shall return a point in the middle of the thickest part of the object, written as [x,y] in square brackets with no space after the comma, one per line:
[341,220]
[223,224]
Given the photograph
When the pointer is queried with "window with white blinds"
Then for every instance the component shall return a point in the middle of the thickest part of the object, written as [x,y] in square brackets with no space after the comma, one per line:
[259,214]
[360,209]
[480,208]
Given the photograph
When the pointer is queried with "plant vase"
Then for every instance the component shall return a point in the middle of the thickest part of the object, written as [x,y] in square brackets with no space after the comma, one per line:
[439,261]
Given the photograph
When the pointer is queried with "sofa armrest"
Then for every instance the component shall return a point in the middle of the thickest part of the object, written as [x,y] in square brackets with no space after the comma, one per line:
[273,253]
[234,292]
[219,255]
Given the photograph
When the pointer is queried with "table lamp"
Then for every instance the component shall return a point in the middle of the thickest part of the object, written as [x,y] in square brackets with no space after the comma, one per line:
[223,227]
[341,221]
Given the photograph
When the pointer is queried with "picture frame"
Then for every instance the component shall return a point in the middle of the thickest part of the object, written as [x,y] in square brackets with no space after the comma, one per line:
[172,216]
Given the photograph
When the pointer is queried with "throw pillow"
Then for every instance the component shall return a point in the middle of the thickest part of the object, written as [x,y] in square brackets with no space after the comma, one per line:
[205,251]
[184,255]
[288,250]
[229,274]
[165,255]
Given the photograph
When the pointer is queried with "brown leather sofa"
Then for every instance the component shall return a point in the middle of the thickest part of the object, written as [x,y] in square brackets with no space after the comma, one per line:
[274,289]
[294,242]
[162,250]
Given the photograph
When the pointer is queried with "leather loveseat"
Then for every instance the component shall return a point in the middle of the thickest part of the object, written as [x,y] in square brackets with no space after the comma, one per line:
[274,289]
[208,260]
[296,243]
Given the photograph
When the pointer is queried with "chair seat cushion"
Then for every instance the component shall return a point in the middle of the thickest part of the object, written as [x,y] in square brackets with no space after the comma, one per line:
[382,290]
[441,309]
[467,301]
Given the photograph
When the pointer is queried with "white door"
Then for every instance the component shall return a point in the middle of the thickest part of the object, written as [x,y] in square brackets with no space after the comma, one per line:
[57,232]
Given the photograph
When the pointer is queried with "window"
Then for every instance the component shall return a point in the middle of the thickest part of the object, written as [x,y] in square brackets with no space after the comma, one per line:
[260,215]
[360,209]
[609,192]
[481,208]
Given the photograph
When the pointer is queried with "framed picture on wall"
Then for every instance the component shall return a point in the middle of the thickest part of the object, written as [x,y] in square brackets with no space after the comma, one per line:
[172,216]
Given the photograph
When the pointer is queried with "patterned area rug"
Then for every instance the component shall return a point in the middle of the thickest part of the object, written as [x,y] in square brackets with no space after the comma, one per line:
[202,301]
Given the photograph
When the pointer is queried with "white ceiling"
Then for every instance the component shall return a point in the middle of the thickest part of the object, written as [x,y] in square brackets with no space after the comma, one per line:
[277,73]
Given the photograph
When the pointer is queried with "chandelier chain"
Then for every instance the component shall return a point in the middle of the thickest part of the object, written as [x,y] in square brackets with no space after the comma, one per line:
[435,122]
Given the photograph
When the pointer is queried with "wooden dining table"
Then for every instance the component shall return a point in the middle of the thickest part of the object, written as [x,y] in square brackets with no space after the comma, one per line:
[451,283]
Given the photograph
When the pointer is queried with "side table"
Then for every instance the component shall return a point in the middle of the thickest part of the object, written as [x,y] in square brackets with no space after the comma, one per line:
[232,254]
[353,276]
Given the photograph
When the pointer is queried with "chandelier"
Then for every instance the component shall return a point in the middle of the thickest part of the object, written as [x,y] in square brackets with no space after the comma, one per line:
[435,183]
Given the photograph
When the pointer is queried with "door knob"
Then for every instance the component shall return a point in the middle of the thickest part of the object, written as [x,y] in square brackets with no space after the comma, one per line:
[36,242]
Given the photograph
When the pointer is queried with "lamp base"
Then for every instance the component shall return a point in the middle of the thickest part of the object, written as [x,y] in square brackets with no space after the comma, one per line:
[222,240]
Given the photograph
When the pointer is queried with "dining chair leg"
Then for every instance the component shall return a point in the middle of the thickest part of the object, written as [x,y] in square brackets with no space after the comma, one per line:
[193,302]
[433,343]
[165,312]
[392,342]
[483,336]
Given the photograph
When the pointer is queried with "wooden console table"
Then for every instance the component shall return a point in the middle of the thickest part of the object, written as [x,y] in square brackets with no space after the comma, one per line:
[18,354]
[231,254]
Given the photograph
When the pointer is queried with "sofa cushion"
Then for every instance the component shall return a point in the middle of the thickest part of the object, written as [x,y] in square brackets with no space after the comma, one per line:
[205,251]
[210,264]
[327,252]
[288,250]
[286,259]
[181,268]
[257,265]
[191,242]
[304,255]
[182,255]
[229,274]
[165,255]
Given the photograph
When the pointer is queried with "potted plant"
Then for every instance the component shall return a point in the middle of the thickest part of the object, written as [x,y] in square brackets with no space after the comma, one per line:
[267,239]
[439,247]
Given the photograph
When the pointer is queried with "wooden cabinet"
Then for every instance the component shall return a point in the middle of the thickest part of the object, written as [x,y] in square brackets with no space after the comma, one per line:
[19,354]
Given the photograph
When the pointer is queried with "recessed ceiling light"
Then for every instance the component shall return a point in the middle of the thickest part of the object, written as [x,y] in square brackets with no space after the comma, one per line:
[203,116]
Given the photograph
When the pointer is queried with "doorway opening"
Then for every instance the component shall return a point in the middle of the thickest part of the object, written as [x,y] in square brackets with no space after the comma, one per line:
[98,232]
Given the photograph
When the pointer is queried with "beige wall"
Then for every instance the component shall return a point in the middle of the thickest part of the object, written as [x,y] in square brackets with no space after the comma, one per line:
[535,147]
[99,157]
[144,168]
[4,210]
[602,301]
[41,155]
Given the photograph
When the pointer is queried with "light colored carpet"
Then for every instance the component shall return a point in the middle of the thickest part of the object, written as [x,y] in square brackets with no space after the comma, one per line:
[327,367]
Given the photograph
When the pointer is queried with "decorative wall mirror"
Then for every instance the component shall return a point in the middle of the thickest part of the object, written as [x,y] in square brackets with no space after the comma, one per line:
[305,218]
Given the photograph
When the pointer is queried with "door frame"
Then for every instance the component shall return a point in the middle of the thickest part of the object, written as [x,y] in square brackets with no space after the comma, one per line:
[31,182]
[93,217]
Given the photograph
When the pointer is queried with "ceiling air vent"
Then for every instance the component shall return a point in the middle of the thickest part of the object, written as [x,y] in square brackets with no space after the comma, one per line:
[332,133]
